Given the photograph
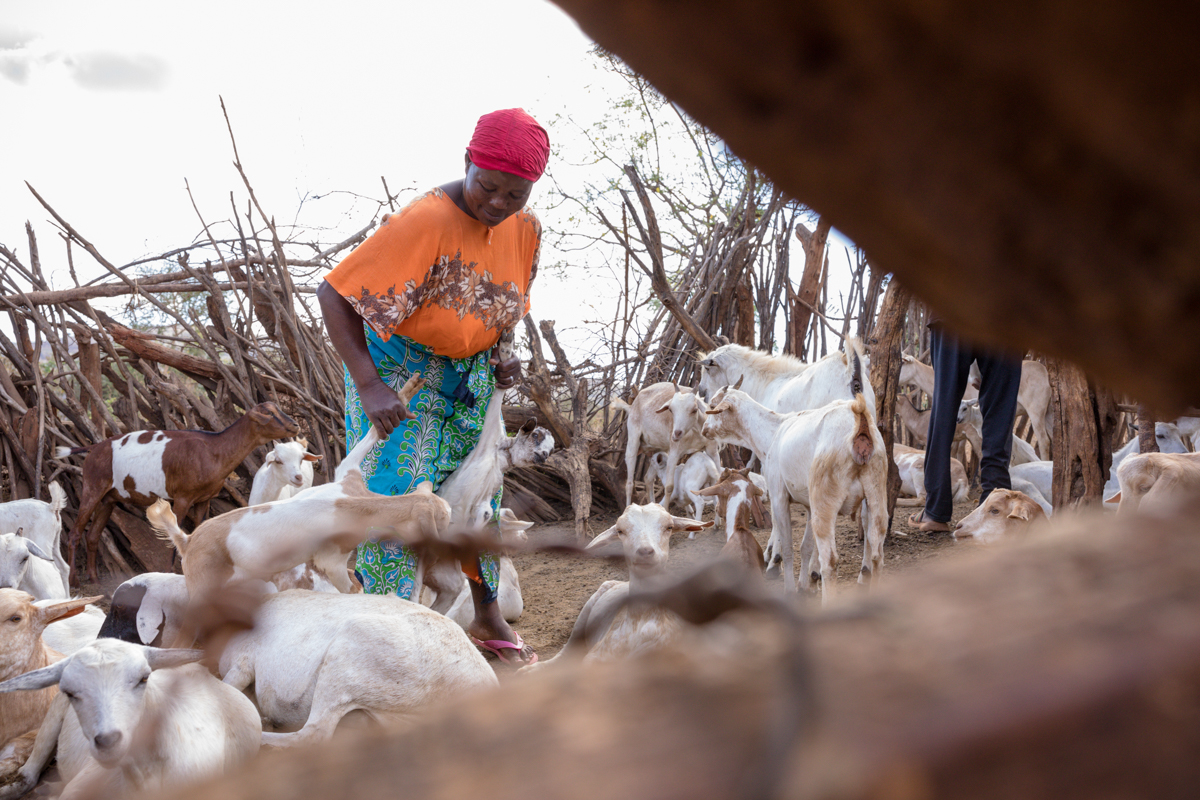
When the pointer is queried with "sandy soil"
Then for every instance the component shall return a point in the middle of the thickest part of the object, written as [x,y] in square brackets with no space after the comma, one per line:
[556,587]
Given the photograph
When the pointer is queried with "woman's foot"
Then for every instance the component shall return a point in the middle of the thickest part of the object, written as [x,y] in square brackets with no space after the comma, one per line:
[923,523]
[491,632]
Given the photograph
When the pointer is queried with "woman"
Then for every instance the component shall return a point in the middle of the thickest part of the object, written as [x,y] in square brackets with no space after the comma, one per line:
[431,291]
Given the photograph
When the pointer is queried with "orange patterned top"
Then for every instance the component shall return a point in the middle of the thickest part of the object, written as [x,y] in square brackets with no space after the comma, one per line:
[442,278]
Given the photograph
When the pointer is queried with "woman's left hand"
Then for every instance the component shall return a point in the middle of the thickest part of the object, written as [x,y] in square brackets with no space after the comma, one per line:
[507,372]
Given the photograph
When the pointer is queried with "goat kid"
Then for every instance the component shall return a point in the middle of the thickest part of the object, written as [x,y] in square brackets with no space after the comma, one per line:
[186,467]
[693,475]
[26,566]
[608,628]
[735,488]
[1005,513]
[1156,481]
[1169,439]
[41,523]
[287,469]
[130,717]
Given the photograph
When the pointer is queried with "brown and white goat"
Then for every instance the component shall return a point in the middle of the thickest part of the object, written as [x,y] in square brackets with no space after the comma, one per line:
[21,651]
[324,524]
[1154,481]
[1006,512]
[186,467]
[741,547]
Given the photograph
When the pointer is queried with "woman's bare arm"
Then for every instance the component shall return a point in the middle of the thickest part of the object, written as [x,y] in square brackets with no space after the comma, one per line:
[379,401]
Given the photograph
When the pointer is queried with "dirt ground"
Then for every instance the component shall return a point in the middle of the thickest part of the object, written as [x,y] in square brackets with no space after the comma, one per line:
[556,587]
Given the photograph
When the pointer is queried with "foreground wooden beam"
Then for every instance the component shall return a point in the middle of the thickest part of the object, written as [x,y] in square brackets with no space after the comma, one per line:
[1028,168]
[1068,667]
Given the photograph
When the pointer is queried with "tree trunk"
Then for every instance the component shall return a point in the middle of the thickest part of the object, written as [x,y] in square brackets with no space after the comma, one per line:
[1147,438]
[743,333]
[886,360]
[805,298]
[1078,472]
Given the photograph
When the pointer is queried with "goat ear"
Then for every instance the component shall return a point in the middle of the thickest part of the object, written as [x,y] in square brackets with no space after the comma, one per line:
[752,490]
[38,679]
[271,458]
[160,658]
[1116,498]
[34,549]
[311,457]
[67,608]
[666,407]
[712,491]
[1021,510]
[529,426]
[686,524]
[603,538]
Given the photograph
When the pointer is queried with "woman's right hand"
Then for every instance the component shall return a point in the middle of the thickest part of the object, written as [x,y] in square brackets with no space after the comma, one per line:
[383,406]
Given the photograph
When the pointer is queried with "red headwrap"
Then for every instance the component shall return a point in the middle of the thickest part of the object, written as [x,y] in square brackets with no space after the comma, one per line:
[510,141]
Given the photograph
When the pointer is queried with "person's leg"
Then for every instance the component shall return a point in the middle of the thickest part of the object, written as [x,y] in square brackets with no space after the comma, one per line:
[1000,381]
[951,365]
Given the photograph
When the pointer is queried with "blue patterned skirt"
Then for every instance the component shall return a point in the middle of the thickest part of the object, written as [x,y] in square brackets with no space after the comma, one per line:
[427,448]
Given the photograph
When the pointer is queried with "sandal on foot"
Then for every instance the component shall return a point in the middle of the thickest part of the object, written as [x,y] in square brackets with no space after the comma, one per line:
[494,646]
[919,522]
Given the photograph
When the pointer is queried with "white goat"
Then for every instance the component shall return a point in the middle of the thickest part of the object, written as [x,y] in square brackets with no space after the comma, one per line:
[911,465]
[508,595]
[1169,440]
[830,459]
[23,649]
[665,419]
[1189,427]
[1033,399]
[71,633]
[1005,513]
[287,469]
[314,657]
[1156,481]
[130,717]
[697,472]
[41,523]
[607,628]
[26,566]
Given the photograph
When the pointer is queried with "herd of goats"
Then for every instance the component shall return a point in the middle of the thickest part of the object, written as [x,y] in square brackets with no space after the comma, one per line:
[126,704]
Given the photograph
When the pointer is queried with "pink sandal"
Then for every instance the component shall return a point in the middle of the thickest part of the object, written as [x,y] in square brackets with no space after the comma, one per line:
[496,645]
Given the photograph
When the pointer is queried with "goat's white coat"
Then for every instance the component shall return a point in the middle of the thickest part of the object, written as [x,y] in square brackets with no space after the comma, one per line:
[41,523]
[288,469]
[662,419]
[315,657]
[142,462]
[698,472]
[1169,439]
[26,566]
[178,726]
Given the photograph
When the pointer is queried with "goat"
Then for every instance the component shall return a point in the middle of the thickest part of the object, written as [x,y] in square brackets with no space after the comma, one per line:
[693,475]
[130,717]
[68,635]
[314,657]
[608,628]
[41,523]
[22,649]
[731,491]
[911,465]
[1155,481]
[186,467]
[740,546]
[1033,399]
[1169,440]
[287,469]
[1189,427]
[830,459]
[508,595]
[917,421]
[26,566]
[324,523]
[148,609]
[1005,512]
[784,383]
[662,418]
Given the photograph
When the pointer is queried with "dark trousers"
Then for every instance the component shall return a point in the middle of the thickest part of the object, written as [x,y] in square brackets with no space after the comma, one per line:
[1000,378]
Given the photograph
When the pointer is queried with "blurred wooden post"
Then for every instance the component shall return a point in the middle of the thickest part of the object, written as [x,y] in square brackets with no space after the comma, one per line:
[805,298]
[1078,472]
[886,359]
[1147,437]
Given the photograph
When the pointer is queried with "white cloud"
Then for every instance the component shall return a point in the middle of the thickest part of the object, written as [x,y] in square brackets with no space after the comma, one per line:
[118,71]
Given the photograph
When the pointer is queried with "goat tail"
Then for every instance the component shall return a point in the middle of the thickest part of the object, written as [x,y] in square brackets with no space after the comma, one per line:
[619,405]
[66,452]
[58,498]
[862,445]
[166,527]
[855,355]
